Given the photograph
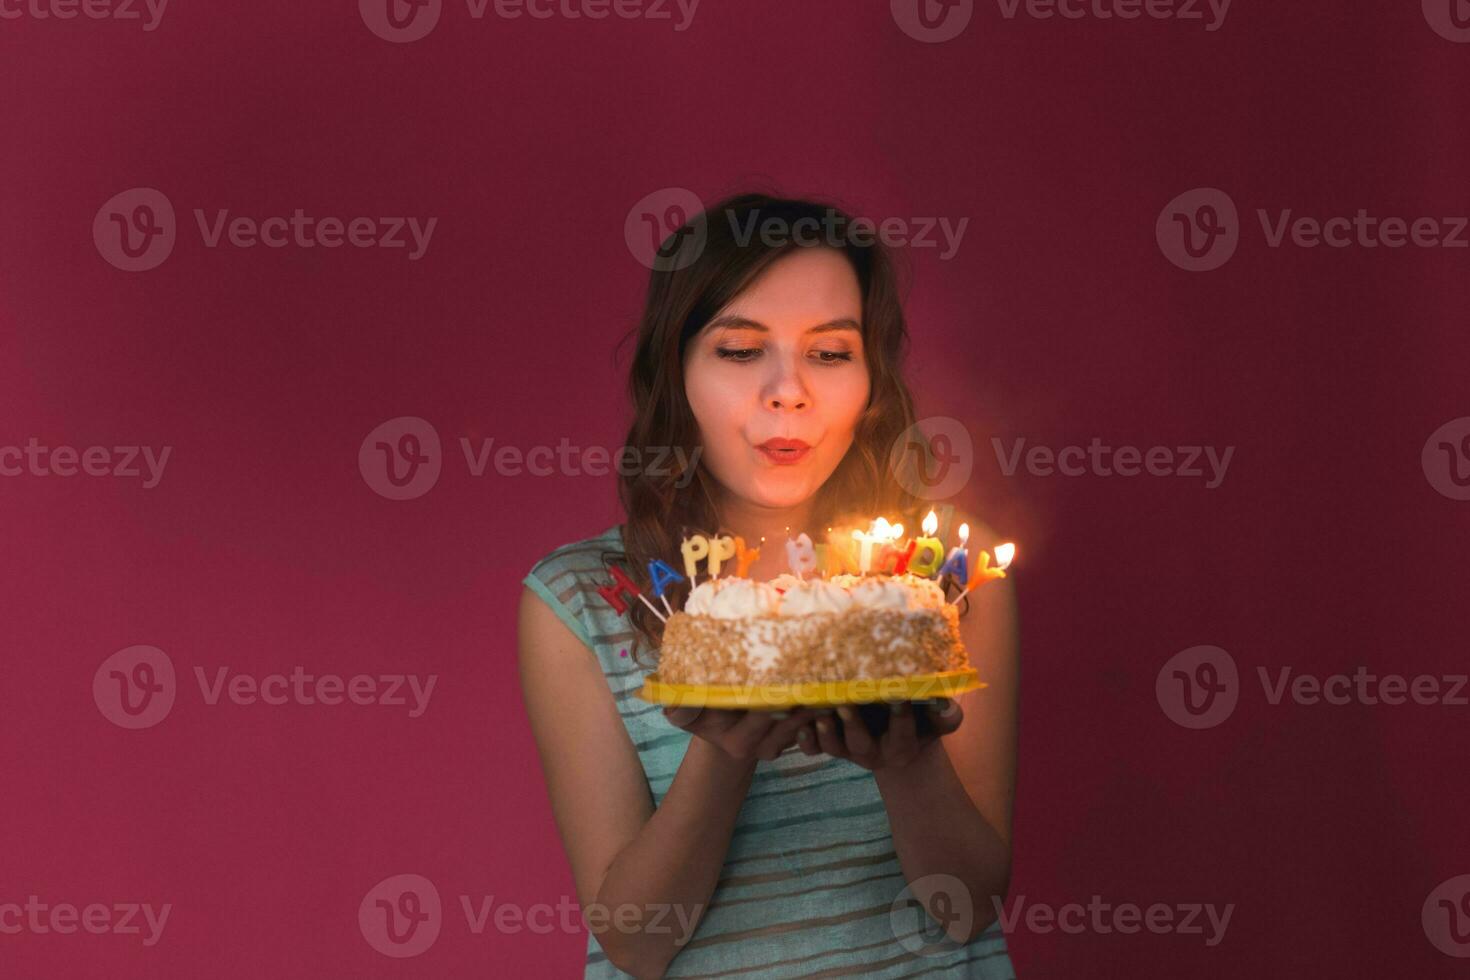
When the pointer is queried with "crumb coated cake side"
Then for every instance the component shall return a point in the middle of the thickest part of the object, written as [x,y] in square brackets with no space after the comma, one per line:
[853,645]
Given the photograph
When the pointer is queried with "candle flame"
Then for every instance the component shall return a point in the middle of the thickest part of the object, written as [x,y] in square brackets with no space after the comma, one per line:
[964,534]
[930,524]
[1004,555]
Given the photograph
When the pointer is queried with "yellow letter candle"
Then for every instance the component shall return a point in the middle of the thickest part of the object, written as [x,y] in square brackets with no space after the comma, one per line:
[694,549]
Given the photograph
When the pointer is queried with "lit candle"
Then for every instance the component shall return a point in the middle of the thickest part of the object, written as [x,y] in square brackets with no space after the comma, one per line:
[839,559]
[1004,555]
[880,533]
[928,550]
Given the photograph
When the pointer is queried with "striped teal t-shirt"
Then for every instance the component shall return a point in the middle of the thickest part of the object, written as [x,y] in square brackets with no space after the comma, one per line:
[810,880]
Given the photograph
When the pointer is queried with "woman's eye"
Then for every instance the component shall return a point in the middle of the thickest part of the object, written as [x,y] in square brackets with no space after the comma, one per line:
[834,356]
[742,354]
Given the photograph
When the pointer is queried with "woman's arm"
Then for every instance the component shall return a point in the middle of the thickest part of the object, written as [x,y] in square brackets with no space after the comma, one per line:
[950,808]
[643,875]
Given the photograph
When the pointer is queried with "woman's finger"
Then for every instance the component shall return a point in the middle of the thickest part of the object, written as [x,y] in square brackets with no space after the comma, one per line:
[806,737]
[827,739]
[859,742]
[901,741]
[947,716]
[783,733]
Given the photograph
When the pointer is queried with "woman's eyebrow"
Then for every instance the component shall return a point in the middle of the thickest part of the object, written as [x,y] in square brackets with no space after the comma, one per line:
[745,323]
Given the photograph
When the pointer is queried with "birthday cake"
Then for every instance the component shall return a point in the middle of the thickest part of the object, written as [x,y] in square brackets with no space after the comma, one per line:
[849,627]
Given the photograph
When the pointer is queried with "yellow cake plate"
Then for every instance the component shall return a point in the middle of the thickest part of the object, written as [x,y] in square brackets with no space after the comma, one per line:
[772,697]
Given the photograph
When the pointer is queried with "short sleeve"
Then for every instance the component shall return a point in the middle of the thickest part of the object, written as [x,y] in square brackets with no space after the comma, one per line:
[537,580]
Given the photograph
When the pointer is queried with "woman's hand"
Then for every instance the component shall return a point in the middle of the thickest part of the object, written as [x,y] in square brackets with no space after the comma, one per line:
[743,735]
[897,747]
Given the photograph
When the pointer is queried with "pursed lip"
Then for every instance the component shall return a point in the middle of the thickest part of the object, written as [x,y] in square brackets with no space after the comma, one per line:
[783,452]
[778,444]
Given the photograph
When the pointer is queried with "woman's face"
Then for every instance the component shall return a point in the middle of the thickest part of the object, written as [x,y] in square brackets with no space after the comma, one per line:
[784,360]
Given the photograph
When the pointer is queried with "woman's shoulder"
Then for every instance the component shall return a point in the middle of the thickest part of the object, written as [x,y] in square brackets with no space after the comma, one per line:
[580,555]
[567,578]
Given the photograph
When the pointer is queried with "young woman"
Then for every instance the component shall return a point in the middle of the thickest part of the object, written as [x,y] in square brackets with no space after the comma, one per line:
[759,844]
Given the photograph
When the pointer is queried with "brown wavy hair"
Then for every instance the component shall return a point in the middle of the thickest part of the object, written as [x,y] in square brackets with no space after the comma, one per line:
[699,269]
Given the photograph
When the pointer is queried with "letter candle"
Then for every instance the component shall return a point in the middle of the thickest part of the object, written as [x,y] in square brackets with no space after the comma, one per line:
[1004,555]
[720,549]
[928,550]
[622,584]
[801,556]
[694,549]
[957,564]
[662,576]
[744,556]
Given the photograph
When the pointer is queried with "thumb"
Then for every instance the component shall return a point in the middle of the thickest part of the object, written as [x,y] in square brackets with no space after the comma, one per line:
[682,717]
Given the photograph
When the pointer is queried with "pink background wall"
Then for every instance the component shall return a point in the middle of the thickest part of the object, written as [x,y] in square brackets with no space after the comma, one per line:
[1060,318]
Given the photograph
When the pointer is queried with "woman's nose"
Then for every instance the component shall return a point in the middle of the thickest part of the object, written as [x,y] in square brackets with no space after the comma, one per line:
[787,392]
